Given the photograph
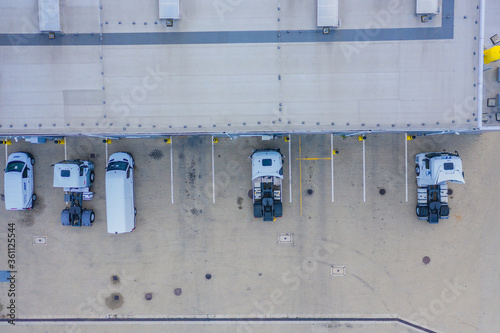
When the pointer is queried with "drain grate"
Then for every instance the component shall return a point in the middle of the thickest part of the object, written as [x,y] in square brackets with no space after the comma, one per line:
[40,240]
[338,270]
[285,238]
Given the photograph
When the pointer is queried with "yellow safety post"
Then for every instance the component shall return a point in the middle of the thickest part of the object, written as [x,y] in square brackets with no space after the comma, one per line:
[335,152]
[167,140]
[108,141]
[6,142]
[287,138]
[59,142]
[492,54]
[216,140]
[361,138]
[410,137]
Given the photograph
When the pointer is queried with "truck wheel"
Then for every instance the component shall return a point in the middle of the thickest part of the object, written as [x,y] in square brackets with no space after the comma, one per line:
[444,211]
[65,217]
[32,161]
[257,209]
[417,170]
[88,217]
[422,211]
[92,176]
[278,209]
[33,197]
[135,211]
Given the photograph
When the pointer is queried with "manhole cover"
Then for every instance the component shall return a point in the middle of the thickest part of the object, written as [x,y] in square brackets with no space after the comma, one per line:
[426,260]
[285,238]
[338,270]
[148,296]
[177,291]
[309,192]
[208,276]
[250,194]
[450,191]
[381,191]
[40,240]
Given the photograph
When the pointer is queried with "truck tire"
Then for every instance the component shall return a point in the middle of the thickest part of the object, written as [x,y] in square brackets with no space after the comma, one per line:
[417,169]
[257,209]
[65,217]
[278,209]
[422,211]
[88,217]
[444,211]
[92,176]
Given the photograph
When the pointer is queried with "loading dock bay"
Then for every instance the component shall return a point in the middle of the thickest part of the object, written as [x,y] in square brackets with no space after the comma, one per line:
[378,244]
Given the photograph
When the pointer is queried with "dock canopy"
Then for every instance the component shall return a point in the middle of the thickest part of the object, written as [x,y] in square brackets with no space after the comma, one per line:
[170,9]
[49,14]
[328,13]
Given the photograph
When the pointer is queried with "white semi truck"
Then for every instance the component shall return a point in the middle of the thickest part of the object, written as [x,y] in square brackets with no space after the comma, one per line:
[76,178]
[433,171]
[267,178]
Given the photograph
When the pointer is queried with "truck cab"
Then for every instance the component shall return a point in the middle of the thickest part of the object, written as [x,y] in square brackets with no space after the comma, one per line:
[74,175]
[76,178]
[267,177]
[434,171]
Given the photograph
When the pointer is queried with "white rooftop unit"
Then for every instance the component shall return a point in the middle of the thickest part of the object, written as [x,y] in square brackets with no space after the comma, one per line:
[170,9]
[49,14]
[427,7]
[328,13]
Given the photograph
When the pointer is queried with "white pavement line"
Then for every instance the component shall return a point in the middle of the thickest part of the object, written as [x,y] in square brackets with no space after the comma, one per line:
[290,164]
[406,165]
[65,150]
[171,169]
[213,172]
[331,149]
[106,140]
[364,173]
[6,154]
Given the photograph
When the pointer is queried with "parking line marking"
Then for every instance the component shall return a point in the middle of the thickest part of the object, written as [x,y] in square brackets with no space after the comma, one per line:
[171,169]
[300,174]
[106,140]
[65,151]
[331,160]
[6,155]
[406,165]
[364,173]
[213,172]
[290,165]
[314,158]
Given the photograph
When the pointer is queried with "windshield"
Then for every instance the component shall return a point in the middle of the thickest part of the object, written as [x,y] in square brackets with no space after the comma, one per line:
[15,166]
[113,166]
